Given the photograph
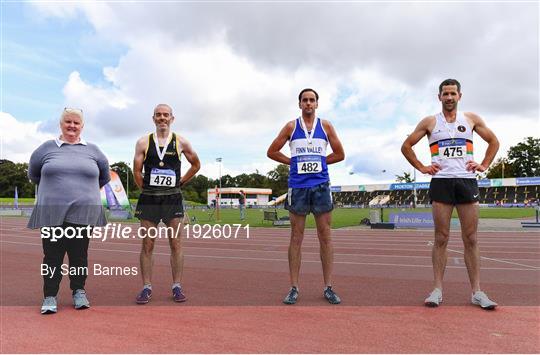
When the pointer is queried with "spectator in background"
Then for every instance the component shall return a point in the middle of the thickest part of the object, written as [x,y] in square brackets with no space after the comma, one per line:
[242,204]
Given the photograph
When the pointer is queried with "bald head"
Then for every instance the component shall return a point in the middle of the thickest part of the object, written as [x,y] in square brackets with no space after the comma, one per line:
[163,106]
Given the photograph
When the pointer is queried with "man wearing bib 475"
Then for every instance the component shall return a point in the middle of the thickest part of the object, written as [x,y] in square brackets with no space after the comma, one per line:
[450,135]
[309,186]
[161,198]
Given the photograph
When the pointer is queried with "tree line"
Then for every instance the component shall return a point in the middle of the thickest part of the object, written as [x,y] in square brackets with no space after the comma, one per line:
[15,174]
[196,189]
[521,160]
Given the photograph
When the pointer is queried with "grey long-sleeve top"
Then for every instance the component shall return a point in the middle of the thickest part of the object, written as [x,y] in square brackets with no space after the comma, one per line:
[69,177]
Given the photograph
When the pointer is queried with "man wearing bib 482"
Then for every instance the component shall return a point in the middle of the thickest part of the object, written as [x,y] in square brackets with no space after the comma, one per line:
[450,135]
[161,198]
[309,186]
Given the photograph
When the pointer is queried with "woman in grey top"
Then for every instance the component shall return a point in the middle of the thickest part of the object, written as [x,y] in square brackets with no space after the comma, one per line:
[70,173]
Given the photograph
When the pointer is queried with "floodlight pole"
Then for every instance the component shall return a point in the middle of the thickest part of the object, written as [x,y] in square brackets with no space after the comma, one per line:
[218,197]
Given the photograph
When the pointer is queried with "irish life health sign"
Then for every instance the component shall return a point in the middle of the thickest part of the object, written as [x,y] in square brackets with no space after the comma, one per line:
[411,220]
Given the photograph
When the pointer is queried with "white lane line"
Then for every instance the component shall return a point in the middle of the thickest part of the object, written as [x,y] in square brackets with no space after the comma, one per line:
[273,245]
[498,260]
[282,251]
[280,260]
[337,244]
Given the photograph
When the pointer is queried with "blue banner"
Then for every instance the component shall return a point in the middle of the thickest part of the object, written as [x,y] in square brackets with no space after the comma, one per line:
[335,188]
[534,180]
[411,220]
[484,183]
[422,185]
[111,199]
[410,186]
[402,186]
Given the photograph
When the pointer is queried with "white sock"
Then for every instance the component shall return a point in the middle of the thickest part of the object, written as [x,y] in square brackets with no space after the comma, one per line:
[148,286]
[176,284]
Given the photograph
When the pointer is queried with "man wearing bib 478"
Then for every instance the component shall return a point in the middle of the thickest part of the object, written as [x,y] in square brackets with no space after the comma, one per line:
[309,186]
[450,135]
[161,198]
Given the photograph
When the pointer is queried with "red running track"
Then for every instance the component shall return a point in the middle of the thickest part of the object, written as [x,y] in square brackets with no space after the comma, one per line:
[235,289]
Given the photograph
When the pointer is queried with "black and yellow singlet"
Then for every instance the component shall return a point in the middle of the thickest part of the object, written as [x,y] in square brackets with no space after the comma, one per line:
[162,176]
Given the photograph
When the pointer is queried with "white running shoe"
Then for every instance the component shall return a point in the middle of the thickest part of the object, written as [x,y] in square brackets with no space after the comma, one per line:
[80,301]
[49,305]
[479,298]
[434,298]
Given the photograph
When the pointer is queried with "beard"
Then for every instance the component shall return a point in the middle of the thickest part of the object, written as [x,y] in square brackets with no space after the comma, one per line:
[450,106]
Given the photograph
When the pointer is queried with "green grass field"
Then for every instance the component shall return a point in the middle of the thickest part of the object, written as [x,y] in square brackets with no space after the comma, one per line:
[9,200]
[343,217]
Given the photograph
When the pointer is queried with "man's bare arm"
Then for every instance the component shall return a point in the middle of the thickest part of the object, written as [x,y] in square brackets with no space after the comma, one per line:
[338,154]
[479,126]
[278,143]
[138,160]
[422,129]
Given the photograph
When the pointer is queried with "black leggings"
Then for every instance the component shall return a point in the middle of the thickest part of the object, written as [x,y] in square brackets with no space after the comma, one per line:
[77,251]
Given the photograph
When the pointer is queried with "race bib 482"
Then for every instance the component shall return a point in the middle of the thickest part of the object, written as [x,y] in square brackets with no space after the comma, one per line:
[309,164]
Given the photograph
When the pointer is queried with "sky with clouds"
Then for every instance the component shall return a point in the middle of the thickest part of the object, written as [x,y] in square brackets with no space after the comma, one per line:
[232,72]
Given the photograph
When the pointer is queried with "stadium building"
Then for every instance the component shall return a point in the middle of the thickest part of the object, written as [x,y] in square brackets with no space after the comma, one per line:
[229,196]
[509,192]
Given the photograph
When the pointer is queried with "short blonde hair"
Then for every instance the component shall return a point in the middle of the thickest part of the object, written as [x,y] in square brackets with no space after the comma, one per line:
[72,111]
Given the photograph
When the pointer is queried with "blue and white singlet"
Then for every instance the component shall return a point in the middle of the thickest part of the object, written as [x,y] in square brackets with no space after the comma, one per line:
[308,157]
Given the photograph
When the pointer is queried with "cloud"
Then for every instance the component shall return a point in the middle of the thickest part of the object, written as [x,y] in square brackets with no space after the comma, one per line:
[209,87]
[232,72]
[23,140]
[417,44]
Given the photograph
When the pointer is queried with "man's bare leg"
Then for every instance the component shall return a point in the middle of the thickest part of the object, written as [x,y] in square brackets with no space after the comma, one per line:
[298,223]
[468,217]
[177,253]
[323,222]
[146,257]
[442,214]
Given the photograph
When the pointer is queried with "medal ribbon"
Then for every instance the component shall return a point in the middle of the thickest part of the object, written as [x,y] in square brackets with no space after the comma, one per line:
[309,136]
[451,133]
[161,153]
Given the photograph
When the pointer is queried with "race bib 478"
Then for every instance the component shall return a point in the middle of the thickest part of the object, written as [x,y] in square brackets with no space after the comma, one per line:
[162,177]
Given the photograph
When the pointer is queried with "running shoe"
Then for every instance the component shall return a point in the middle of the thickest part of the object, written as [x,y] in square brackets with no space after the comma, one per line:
[479,298]
[292,296]
[331,296]
[434,298]
[144,296]
[178,294]
[49,305]
[79,299]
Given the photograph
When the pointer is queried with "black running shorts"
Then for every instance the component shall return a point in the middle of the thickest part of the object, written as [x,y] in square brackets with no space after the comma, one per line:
[453,191]
[155,208]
